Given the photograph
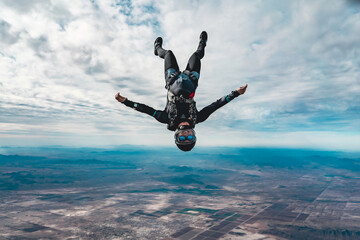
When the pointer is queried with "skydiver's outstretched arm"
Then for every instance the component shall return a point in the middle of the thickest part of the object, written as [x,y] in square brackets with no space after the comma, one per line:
[207,111]
[161,116]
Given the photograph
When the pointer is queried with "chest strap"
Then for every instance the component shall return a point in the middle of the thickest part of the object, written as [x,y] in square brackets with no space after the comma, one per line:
[179,99]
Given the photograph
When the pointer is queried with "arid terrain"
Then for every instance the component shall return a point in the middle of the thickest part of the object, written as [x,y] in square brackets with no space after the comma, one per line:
[136,193]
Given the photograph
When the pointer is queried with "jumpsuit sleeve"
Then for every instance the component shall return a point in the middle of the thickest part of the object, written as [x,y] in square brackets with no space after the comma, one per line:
[208,110]
[160,116]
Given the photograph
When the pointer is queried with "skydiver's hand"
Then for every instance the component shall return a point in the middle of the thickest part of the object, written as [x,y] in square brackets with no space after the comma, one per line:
[120,98]
[242,90]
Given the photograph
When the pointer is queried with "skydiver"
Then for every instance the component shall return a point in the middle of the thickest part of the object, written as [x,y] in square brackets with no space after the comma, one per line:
[180,113]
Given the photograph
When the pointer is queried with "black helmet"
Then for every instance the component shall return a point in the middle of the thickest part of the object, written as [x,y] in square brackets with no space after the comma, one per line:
[185,142]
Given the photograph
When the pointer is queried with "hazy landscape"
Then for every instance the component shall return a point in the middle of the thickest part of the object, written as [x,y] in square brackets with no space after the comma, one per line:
[160,193]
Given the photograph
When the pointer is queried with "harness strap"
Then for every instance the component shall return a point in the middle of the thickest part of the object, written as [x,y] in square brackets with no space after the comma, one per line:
[174,99]
[173,76]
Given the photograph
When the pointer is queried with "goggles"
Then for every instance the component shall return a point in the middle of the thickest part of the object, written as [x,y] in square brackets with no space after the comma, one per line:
[181,139]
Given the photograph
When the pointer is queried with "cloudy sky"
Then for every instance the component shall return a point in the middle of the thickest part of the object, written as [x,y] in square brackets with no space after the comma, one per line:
[61,63]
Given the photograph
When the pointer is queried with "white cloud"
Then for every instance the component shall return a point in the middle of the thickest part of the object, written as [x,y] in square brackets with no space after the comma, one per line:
[61,63]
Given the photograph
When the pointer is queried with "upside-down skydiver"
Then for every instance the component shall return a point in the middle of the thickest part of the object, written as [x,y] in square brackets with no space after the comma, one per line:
[180,113]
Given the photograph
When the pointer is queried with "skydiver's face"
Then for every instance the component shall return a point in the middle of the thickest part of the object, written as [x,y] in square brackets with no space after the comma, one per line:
[183,136]
[186,133]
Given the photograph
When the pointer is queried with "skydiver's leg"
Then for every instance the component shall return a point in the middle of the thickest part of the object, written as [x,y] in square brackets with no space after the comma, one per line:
[194,63]
[170,62]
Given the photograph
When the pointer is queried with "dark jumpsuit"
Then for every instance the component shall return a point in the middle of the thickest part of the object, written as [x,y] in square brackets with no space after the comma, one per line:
[180,83]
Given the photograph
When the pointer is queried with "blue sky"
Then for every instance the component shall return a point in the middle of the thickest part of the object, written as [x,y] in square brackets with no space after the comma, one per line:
[61,63]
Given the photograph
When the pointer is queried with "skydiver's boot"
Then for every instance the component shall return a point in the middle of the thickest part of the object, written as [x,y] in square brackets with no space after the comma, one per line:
[203,38]
[158,50]
[202,44]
